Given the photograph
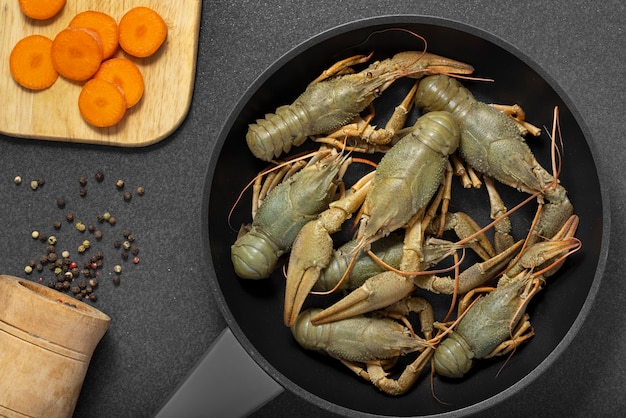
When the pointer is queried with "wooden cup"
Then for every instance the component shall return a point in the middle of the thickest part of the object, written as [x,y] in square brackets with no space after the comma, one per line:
[47,339]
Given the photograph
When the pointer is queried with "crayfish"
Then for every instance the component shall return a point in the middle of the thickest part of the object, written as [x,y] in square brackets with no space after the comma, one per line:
[402,212]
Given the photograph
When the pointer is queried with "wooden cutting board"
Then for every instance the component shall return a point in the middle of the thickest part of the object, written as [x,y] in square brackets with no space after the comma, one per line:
[52,114]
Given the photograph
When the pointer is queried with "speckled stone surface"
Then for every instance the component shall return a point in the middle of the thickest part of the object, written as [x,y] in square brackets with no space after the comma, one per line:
[164,316]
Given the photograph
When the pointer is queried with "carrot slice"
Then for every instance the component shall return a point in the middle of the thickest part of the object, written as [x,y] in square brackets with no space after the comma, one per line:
[142,32]
[101,103]
[76,53]
[30,63]
[124,74]
[103,24]
[41,9]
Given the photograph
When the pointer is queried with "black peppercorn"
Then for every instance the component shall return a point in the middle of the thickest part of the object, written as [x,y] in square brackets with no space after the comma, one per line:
[69,217]
[127,196]
[116,280]
[82,180]
[99,176]
[61,202]
[82,192]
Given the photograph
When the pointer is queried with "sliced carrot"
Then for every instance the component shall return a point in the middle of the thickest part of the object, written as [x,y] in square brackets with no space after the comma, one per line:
[101,23]
[76,53]
[124,74]
[30,63]
[41,9]
[101,103]
[142,32]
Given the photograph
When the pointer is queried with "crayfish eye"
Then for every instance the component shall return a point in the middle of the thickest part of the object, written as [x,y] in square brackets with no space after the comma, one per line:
[376,92]
[369,75]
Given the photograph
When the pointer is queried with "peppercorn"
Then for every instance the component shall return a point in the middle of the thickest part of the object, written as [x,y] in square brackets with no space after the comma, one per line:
[17,180]
[130,237]
[41,181]
[43,259]
[82,192]
[119,183]
[34,184]
[86,272]
[39,267]
[57,224]
[106,216]
[82,180]
[134,250]
[28,269]
[81,249]
[60,202]
[126,245]
[140,191]
[82,284]
[52,257]
[66,285]
[136,260]
[69,217]
[112,220]
[127,196]
[52,240]
[99,176]
[91,227]
[116,280]
[43,237]
[75,289]
[117,269]
[34,234]
[50,249]
[97,235]
[58,286]
[93,297]
[80,226]
[124,255]
[93,282]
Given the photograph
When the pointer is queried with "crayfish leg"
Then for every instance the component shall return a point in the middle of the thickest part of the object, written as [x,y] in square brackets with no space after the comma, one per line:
[407,379]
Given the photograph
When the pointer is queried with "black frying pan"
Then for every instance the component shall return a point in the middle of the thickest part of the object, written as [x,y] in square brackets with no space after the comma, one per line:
[253,309]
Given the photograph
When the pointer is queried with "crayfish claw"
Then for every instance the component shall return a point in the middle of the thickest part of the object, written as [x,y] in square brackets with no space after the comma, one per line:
[377,292]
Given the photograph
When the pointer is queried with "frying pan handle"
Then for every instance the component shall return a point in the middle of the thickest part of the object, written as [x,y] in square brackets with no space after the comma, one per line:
[227,382]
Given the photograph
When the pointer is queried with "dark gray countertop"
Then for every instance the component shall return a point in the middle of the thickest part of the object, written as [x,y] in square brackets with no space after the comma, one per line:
[164,316]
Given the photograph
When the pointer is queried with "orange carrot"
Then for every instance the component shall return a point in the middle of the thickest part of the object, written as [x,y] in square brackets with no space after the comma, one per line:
[30,63]
[77,53]
[124,74]
[142,31]
[101,103]
[41,9]
[101,23]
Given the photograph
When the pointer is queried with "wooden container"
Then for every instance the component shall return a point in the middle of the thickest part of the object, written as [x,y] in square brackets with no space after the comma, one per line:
[46,342]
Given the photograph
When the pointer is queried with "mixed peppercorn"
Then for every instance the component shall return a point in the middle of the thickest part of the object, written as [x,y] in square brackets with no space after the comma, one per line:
[77,271]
